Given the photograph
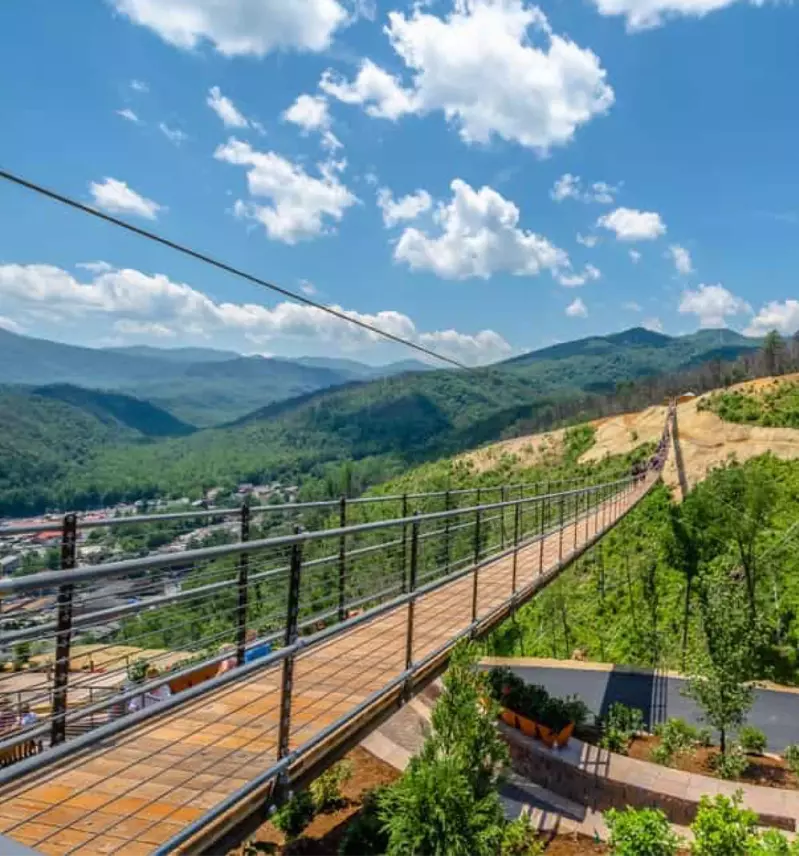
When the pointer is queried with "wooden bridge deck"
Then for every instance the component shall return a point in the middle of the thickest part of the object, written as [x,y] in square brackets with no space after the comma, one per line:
[130,794]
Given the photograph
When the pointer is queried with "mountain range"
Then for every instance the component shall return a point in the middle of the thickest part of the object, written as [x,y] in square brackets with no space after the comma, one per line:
[66,444]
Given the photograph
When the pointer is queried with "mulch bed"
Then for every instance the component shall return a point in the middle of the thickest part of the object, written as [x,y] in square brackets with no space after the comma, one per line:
[763,770]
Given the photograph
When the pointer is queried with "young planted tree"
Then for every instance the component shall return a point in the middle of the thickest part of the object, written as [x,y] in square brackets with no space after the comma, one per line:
[773,353]
[720,682]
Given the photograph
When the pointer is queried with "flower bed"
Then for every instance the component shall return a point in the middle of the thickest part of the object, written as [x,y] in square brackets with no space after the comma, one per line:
[531,709]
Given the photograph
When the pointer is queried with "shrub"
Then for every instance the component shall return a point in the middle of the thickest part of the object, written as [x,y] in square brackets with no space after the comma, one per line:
[366,834]
[752,740]
[520,837]
[615,740]
[326,789]
[704,736]
[773,843]
[662,755]
[723,828]
[577,710]
[641,832]
[295,814]
[791,756]
[676,736]
[629,719]
[731,764]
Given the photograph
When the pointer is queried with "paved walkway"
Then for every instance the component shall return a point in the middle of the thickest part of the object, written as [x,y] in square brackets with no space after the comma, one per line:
[132,794]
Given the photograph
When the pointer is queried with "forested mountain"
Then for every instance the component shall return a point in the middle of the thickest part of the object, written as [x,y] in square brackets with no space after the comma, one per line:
[364,432]
[202,386]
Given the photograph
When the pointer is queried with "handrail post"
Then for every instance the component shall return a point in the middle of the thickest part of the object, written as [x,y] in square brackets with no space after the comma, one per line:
[292,615]
[516,525]
[477,550]
[446,531]
[503,499]
[576,519]
[242,583]
[404,550]
[342,560]
[412,601]
[560,534]
[541,536]
[69,540]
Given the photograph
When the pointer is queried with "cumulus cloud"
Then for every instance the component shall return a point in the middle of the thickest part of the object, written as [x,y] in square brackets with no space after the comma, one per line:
[775,315]
[301,206]
[239,27]
[139,86]
[631,306]
[570,186]
[635,256]
[494,69]
[630,224]
[478,235]
[587,240]
[645,14]
[577,309]
[10,324]
[174,135]
[712,304]
[310,112]
[128,114]
[153,306]
[653,324]
[95,267]
[307,287]
[115,196]
[227,111]
[572,280]
[681,258]
[407,208]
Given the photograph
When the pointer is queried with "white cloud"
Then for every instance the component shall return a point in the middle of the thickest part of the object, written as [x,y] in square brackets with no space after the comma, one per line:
[587,240]
[115,196]
[139,86]
[10,324]
[577,309]
[645,14]
[681,258]
[570,186]
[493,67]
[309,112]
[226,110]
[478,236]
[713,304]
[240,27]
[653,324]
[407,208]
[630,224]
[635,256]
[174,135]
[572,280]
[301,205]
[307,288]
[128,114]
[95,267]
[148,306]
[783,317]
[631,306]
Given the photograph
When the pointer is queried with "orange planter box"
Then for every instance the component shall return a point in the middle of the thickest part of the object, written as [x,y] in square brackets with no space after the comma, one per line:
[509,717]
[528,727]
[555,738]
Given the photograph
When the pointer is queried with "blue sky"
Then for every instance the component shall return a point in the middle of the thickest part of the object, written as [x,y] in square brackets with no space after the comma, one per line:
[482,176]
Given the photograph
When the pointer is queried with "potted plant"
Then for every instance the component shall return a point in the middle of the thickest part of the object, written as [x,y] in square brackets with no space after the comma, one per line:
[556,728]
[534,700]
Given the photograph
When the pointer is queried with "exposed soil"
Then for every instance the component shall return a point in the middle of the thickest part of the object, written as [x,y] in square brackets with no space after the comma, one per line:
[574,845]
[763,770]
[323,834]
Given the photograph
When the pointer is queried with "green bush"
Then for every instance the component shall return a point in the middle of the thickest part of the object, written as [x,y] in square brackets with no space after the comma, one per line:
[577,710]
[704,736]
[731,764]
[326,789]
[773,843]
[791,756]
[723,828]
[662,755]
[752,740]
[640,832]
[620,726]
[676,736]
[366,834]
[295,814]
[520,837]
[615,740]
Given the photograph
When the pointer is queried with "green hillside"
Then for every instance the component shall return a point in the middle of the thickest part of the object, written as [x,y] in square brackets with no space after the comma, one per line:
[775,406]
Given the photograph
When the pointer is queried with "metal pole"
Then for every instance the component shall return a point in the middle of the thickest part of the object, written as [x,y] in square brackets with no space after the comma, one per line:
[446,531]
[476,560]
[292,614]
[504,497]
[560,534]
[516,525]
[58,724]
[404,550]
[342,560]
[576,519]
[412,601]
[244,568]
[541,537]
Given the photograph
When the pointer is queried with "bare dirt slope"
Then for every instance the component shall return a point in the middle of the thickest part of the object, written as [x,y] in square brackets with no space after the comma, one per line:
[706,441]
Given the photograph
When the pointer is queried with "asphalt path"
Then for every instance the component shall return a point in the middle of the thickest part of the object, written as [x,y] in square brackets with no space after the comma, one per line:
[775,712]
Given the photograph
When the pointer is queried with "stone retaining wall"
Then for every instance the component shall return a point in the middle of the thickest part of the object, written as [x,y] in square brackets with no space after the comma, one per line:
[600,780]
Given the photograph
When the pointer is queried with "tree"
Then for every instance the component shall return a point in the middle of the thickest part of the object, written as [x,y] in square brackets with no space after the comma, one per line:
[720,680]
[773,353]
[723,828]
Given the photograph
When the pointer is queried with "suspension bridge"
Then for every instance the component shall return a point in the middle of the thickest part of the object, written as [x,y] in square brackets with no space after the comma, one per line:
[281,651]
